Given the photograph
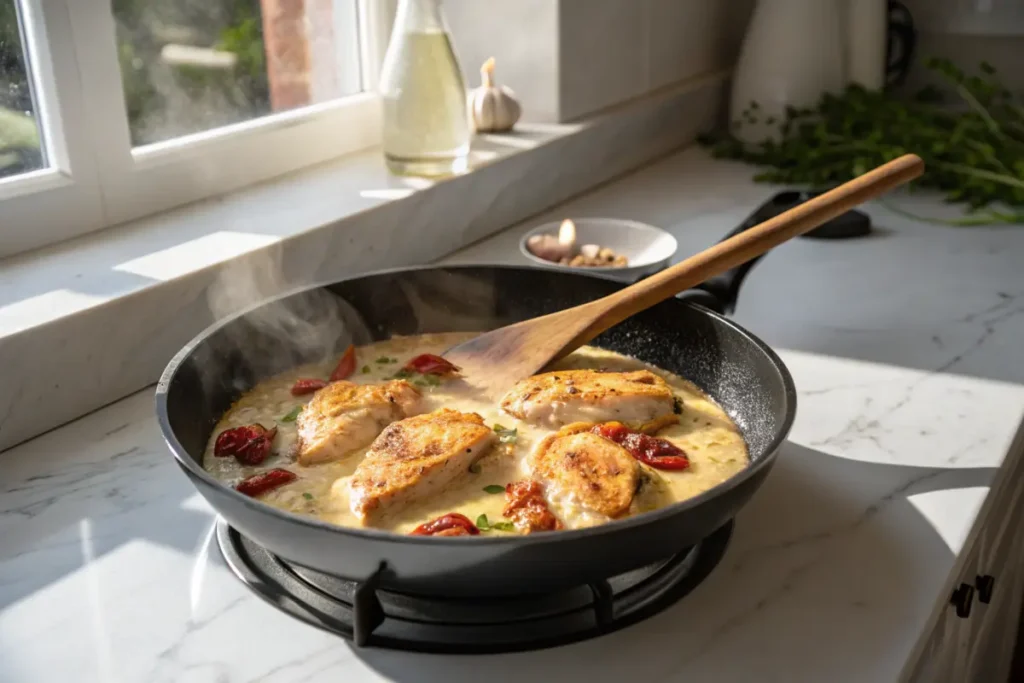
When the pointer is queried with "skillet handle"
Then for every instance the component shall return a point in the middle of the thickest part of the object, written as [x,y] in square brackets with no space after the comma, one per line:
[719,292]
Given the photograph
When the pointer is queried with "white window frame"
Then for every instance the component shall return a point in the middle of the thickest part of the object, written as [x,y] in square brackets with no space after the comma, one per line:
[95,178]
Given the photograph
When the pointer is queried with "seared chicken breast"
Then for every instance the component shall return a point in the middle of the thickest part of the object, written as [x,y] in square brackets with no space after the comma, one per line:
[566,396]
[416,457]
[585,470]
[344,417]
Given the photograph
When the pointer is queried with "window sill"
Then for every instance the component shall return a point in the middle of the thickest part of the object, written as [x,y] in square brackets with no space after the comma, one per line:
[93,319]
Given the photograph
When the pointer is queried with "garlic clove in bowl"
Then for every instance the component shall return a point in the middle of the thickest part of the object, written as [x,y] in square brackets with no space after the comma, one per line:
[549,248]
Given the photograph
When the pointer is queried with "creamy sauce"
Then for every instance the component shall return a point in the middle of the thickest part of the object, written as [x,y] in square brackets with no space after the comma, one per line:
[713,443]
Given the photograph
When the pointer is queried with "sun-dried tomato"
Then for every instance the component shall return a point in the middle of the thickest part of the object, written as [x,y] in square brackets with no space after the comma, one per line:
[526,507]
[346,366]
[429,364]
[259,484]
[307,386]
[658,453]
[452,524]
[249,444]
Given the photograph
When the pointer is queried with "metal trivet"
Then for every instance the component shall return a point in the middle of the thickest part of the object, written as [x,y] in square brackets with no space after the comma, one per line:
[358,611]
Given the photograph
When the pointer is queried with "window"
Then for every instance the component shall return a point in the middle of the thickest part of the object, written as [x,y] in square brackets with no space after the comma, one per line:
[115,109]
[20,147]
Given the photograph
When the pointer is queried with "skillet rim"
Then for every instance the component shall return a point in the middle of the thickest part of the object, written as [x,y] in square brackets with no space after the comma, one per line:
[195,469]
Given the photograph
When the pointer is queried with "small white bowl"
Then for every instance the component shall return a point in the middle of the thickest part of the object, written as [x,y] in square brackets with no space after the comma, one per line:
[647,249]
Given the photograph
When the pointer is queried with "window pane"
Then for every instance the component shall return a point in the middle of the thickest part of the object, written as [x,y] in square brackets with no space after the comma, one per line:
[192,65]
[21,147]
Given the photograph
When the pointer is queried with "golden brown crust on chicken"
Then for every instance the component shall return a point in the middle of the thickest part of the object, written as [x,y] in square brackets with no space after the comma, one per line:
[344,417]
[416,457]
[597,474]
[565,396]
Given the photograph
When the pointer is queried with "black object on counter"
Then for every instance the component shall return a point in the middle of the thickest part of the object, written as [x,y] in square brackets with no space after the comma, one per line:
[850,224]
[719,293]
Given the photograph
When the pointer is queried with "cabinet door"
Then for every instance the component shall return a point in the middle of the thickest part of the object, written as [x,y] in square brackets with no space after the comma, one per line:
[978,647]
[992,630]
[944,659]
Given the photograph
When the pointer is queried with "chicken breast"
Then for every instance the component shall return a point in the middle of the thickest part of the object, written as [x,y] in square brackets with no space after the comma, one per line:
[416,457]
[582,469]
[344,417]
[566,396]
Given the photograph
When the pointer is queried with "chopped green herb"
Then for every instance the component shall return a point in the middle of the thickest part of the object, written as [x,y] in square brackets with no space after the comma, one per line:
[483,524]
[494,488]
[432,380]
[383,360]
[714,460]
[307,496]
[419,383]
[474,468]
[292,414]
[506,435]
[401,374]
[366,369]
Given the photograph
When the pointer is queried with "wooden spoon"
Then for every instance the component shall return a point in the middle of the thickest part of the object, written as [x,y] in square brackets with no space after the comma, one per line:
[496,360]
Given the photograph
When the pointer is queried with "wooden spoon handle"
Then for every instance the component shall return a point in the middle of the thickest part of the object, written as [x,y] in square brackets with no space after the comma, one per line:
[752,243]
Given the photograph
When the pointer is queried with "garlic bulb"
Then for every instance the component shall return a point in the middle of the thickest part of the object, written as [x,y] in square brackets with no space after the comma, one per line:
[493,108]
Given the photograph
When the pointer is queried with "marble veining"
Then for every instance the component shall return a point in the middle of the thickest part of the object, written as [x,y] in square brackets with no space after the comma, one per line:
[905,351]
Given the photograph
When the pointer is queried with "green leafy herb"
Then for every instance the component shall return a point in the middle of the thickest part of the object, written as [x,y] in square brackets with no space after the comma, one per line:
[402,374]
[384,360]
[292,414]
[973,153]
[474,468]
[494,488]
[483,524]
[307,496]
[506,435]
[366,370]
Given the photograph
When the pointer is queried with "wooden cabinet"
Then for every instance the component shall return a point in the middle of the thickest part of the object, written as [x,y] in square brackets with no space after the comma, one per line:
[992,635]
[977,644]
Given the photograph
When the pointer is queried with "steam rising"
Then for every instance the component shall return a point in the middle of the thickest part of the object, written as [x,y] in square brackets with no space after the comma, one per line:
[305,327]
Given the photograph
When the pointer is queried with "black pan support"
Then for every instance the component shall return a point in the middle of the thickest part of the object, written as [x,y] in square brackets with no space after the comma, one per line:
[359,611]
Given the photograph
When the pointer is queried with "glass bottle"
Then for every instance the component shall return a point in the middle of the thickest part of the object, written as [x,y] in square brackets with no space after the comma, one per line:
[426,122]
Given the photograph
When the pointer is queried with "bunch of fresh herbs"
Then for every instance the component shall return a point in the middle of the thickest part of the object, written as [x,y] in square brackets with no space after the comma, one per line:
[973,154]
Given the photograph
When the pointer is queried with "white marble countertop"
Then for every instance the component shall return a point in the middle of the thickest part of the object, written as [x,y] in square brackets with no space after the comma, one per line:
[905,347]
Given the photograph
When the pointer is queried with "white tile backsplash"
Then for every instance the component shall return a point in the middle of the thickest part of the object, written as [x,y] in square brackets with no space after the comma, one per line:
[526,60]
[566,59]
[603,46]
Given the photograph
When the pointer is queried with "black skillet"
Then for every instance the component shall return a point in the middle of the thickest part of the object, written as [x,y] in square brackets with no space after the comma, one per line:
[735,368]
